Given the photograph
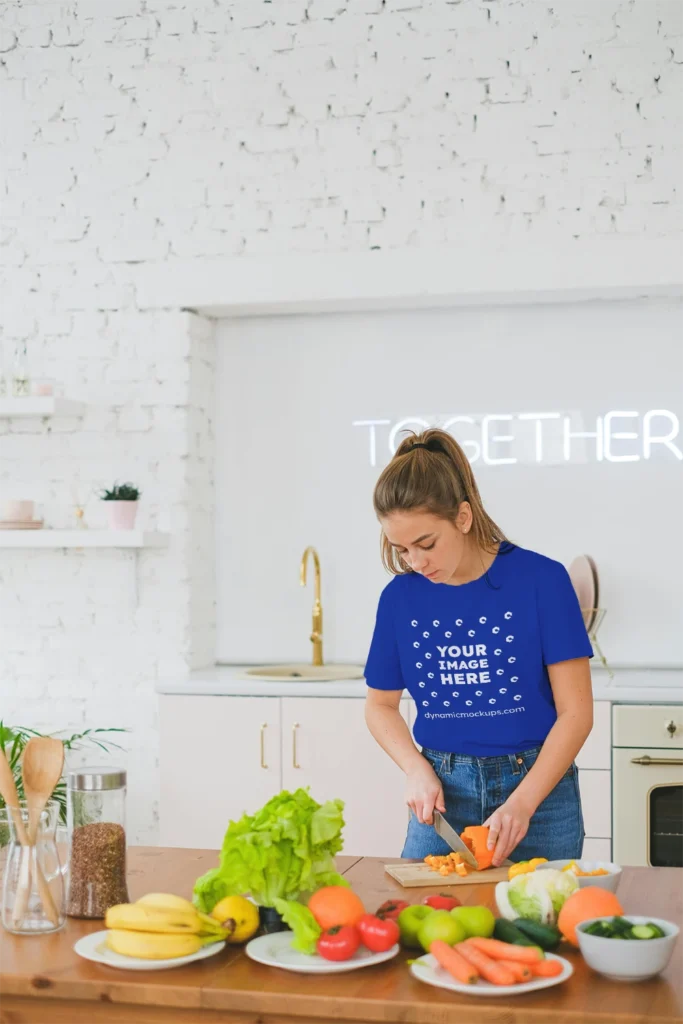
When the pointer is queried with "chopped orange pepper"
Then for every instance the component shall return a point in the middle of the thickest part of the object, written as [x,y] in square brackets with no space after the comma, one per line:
[445,865]
[475,837]
[576,870]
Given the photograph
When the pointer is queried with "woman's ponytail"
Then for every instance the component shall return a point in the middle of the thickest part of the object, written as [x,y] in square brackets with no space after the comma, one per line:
[430,471]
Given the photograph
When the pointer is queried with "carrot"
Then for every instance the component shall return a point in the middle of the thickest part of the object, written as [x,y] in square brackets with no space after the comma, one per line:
[505,951]
[546,969]
[491,970]
[451,961]
[522,972]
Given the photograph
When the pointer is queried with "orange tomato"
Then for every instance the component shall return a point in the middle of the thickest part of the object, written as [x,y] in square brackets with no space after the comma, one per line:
[335,905]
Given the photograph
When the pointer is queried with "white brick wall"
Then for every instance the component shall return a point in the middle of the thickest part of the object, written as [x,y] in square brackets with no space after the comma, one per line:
[85,634]
[150,131]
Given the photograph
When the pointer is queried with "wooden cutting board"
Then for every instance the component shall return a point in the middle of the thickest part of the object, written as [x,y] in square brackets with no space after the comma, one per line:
[412,876]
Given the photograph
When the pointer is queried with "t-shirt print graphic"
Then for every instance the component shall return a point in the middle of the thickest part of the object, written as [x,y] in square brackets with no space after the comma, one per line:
[470,664]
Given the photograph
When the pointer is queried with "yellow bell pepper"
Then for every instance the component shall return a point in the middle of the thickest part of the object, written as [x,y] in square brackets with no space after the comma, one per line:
[525,867]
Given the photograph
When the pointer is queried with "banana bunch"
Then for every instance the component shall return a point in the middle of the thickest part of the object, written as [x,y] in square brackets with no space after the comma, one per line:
[160,926]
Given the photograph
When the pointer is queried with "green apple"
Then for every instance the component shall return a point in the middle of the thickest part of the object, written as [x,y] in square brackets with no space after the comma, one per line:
[440,925]
[477,921]
[409,921]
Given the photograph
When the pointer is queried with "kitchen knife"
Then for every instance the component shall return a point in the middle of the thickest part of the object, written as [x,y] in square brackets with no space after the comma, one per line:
[453,839]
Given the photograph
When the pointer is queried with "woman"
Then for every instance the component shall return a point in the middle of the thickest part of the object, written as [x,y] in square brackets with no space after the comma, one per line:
[490,642]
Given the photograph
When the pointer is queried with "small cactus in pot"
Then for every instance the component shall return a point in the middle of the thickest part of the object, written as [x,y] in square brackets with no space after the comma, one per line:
[122,505]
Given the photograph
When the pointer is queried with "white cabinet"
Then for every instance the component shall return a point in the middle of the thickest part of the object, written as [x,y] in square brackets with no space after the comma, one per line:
[220,757]
[594,763]
[596,800]
[597,849]
[597,750]
[327,746]
[224,755]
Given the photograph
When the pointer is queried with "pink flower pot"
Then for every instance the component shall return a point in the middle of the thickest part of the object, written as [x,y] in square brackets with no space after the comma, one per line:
[122,514]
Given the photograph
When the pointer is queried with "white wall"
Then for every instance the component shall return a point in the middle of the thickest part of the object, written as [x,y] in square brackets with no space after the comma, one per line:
[140,136]
[292,470]
[84,635]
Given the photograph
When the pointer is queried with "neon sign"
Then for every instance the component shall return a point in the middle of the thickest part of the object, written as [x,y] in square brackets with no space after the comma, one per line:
[544,438]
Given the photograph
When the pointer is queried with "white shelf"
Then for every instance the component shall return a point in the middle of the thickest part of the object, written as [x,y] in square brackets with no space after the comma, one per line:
[40,406]
[82,539]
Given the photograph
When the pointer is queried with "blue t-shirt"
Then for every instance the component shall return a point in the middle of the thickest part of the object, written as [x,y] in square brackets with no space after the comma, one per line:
[474,657]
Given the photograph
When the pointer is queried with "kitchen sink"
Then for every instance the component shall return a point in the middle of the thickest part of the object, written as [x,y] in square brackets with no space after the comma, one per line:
[305,673]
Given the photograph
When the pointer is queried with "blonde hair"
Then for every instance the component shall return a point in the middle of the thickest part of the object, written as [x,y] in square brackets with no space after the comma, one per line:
[434,478]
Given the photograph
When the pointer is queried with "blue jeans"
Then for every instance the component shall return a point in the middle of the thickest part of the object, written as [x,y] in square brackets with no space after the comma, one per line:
[474,787]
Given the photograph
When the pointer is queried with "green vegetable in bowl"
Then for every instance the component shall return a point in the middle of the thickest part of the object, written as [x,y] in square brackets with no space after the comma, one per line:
[620,928]
[285,849]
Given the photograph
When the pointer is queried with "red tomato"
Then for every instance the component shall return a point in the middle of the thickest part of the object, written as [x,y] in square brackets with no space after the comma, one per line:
[441,902]
[390,909]
[339,943]
[378,934]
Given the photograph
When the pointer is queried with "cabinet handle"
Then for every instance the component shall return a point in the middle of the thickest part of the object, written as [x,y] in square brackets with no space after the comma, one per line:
[646,759]
[671,728]
[263,745]
[295,763]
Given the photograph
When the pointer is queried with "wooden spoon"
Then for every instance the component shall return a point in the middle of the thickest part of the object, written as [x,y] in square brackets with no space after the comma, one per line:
[8,790]
[41,766]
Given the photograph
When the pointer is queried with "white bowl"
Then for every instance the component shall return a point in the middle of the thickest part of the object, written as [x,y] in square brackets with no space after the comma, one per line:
[609,882]
[628,959]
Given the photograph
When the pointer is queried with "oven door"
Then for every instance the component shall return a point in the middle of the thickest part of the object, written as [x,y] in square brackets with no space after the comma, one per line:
[647,807]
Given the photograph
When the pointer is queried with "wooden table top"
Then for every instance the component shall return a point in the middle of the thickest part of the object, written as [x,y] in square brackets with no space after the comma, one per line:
[42,980]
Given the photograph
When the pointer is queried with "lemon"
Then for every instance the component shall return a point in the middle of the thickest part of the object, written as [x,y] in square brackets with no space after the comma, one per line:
[238,916]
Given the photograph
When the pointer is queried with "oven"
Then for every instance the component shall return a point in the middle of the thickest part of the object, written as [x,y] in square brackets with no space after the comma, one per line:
[647,784]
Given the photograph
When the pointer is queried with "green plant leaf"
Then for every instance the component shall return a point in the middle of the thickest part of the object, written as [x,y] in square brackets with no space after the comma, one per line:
[6,735]
[14,739]
[120,492]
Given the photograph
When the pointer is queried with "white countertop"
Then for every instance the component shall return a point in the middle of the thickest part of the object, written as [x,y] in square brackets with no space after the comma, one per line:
[629,686]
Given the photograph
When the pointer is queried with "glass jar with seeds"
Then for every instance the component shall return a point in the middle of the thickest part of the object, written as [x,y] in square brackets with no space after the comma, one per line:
[96,812]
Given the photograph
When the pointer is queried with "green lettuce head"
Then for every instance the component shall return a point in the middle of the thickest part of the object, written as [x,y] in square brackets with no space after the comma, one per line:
[538,896]
[283,851]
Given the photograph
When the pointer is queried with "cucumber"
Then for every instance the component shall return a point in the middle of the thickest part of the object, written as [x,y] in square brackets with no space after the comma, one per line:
[505,931]
[543,935]
[620,926]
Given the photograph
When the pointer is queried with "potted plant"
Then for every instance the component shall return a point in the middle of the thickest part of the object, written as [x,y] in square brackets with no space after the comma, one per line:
[14,738]
[122,506]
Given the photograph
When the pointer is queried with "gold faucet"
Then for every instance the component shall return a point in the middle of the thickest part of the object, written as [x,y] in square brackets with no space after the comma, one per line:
[317,630]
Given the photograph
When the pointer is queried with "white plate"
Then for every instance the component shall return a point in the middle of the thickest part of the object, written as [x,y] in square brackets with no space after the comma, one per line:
[276,951]
[427,969]
[92,947]
[584,577]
